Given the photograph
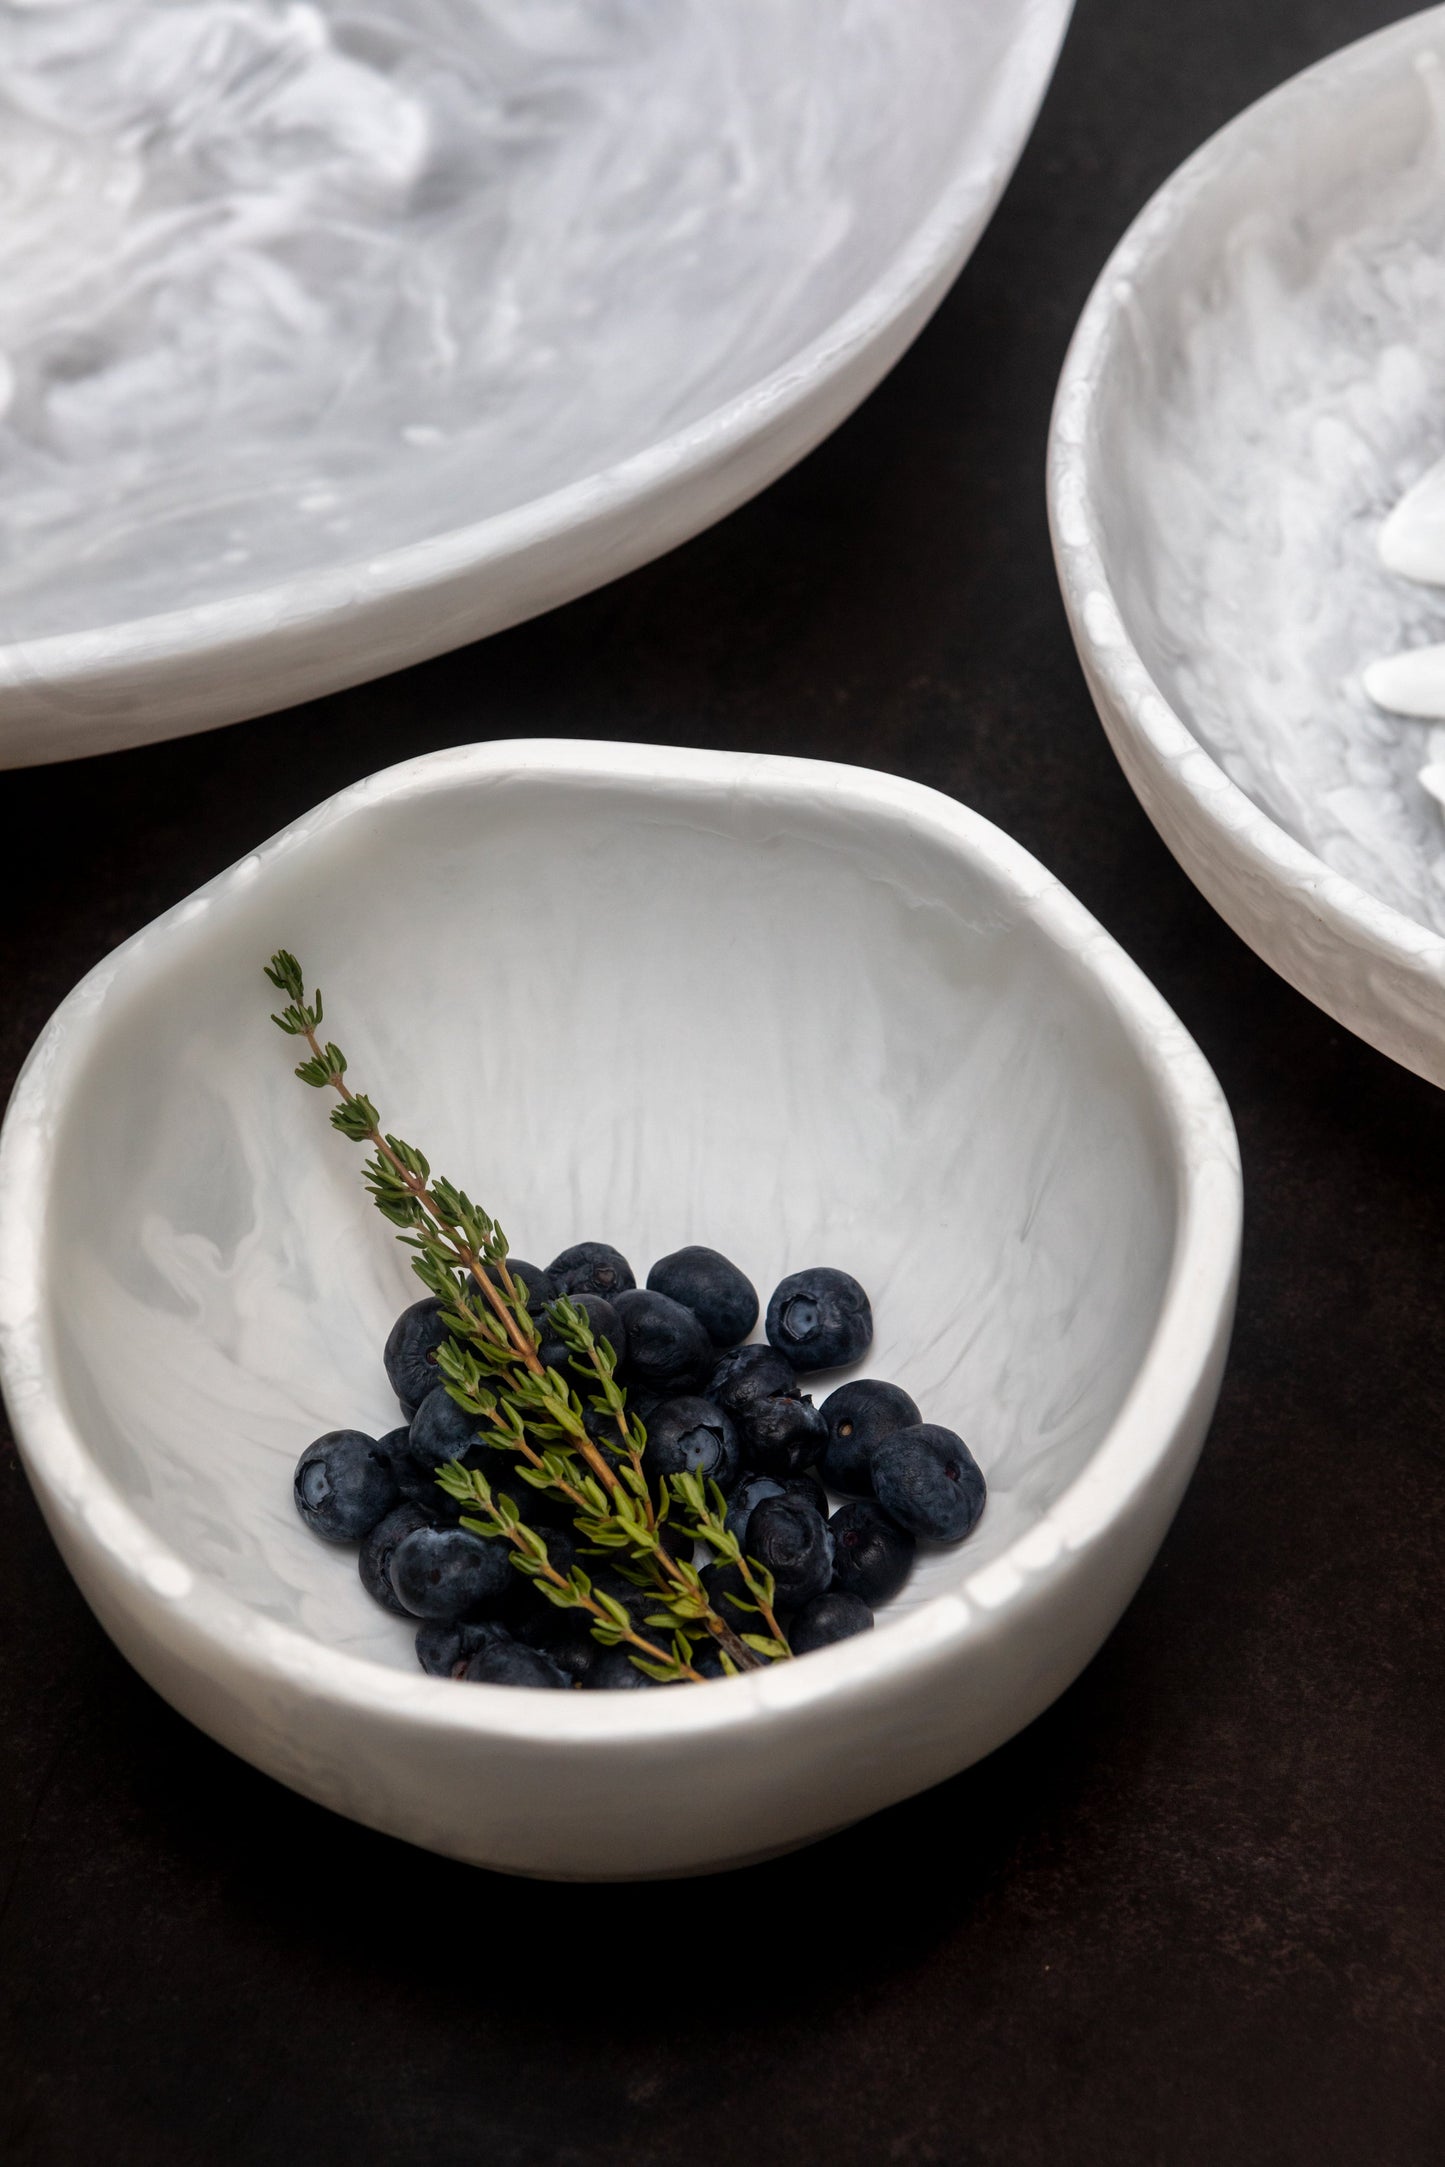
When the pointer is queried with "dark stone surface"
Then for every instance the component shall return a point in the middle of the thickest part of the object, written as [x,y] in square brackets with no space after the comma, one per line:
[1193,1916]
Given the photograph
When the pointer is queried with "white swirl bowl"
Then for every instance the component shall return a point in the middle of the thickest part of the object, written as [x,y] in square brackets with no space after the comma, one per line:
[335,338]
[803,1012]
[1256,379]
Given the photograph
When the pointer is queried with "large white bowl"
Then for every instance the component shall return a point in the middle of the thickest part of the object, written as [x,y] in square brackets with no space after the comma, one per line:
[803,1012]
[1256,379]
[340,337]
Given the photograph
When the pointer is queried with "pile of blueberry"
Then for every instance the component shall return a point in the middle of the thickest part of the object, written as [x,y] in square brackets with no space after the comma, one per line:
[731,1411]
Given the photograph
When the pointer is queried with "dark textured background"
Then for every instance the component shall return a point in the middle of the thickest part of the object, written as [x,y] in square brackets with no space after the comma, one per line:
[1193,1916]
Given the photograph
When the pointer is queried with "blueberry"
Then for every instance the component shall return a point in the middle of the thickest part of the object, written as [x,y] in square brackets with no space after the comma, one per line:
[410,1354]
[614,1671]
[564,1636]
[667,1347]
[859,1416]
[344,1484]
[509,1662]
[445,1647]
[374,1561]
[749,1492]
[448,1572]
[722,1297]
[591,1268]
[749,1374]
[692,1436]
[441,1430]
[826,1619]
[872,1555]
[793,1541]
[783,1435]
[929,1482]
[820,1319]
[606,1324]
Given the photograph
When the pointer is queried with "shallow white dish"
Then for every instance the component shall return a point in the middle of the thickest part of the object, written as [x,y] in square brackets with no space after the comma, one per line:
[803,1012]
[340,336]
[1258,376]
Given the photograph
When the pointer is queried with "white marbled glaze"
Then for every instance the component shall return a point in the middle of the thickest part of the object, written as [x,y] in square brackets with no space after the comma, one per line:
[1257,379]
[1412,546]
[804,1012]
[332,335]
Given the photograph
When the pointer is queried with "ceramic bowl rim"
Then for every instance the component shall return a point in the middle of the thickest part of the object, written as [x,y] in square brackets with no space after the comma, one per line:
[223,1633]
[1096,616]
[938,242]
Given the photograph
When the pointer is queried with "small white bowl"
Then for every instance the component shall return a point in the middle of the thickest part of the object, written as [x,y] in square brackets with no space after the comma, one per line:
[802,1012]
[474,305]
[1258,376]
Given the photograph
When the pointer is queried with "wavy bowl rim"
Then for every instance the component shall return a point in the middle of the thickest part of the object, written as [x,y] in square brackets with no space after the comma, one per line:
[227,1638]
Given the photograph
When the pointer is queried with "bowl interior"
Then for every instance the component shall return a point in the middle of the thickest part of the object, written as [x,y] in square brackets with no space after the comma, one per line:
[289,287]
[1275,381]
[781,1021]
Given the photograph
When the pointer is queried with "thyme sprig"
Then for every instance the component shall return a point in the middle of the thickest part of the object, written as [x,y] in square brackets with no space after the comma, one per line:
[589,1453]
